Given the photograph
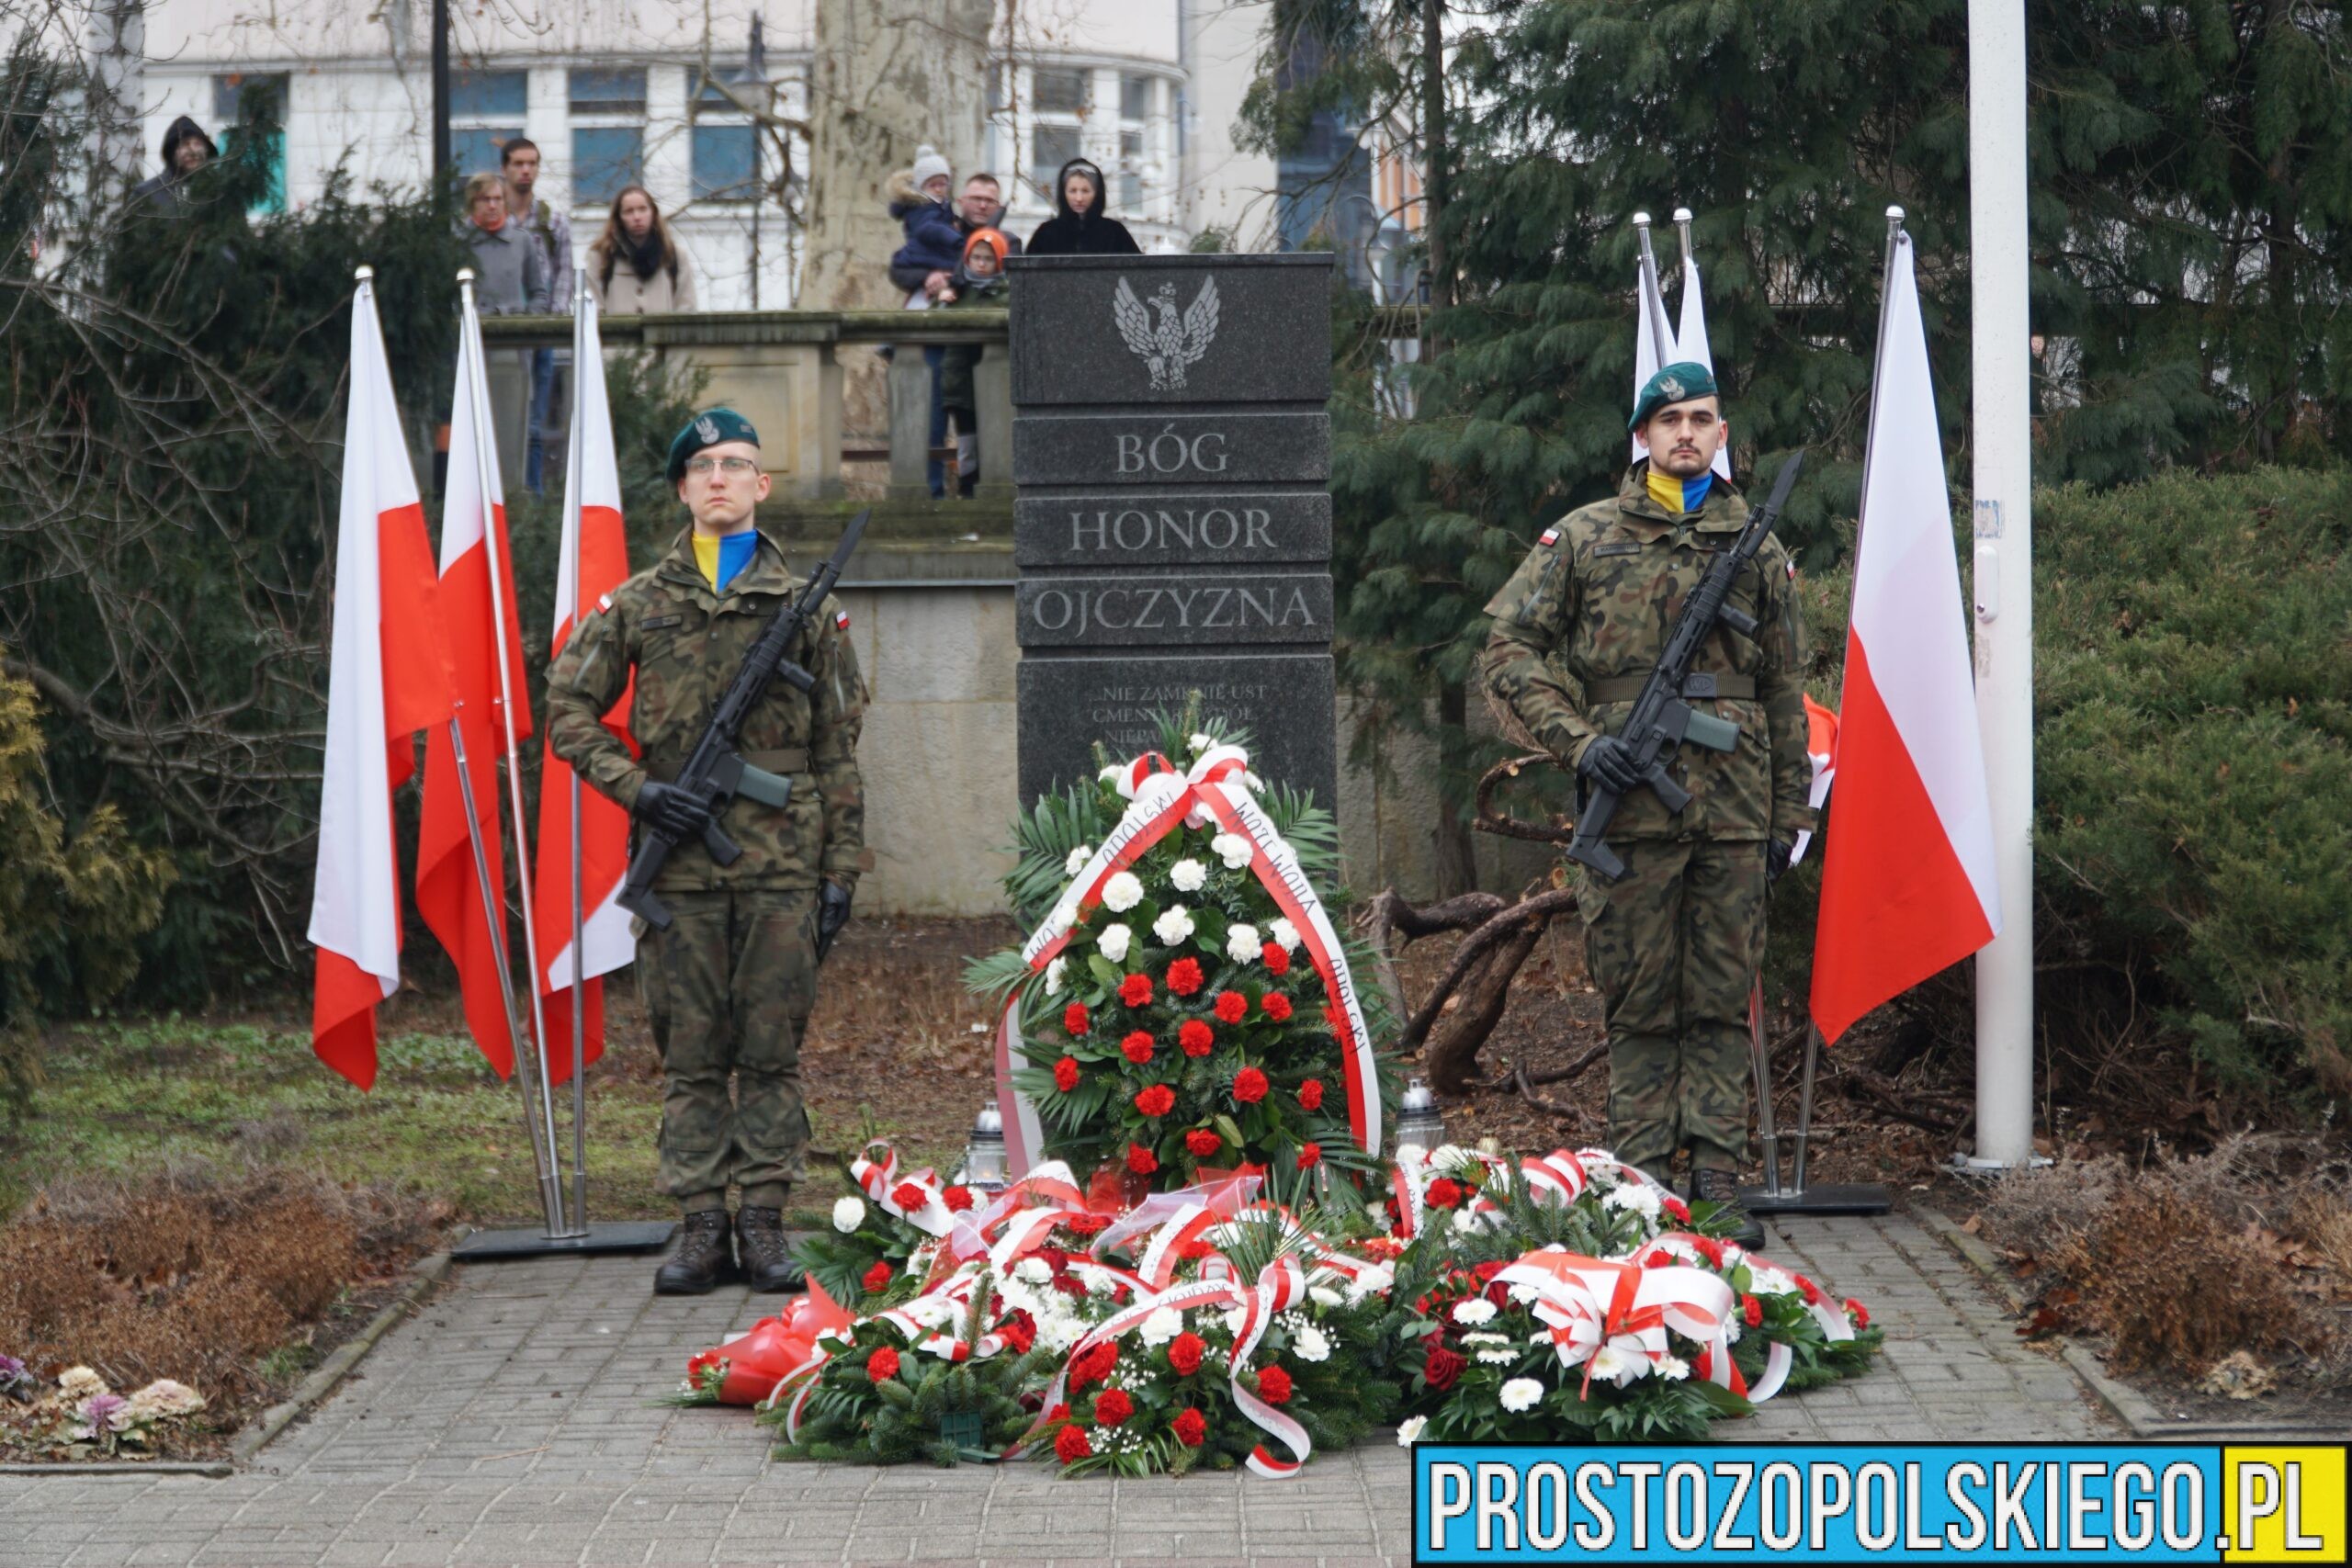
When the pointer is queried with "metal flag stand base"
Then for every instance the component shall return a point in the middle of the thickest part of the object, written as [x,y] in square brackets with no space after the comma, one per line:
[1796,1197]
[619,1236]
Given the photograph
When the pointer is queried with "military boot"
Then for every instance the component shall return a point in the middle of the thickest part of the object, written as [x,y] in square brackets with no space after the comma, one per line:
[767,1261]
[1721,1188]
[705,1259]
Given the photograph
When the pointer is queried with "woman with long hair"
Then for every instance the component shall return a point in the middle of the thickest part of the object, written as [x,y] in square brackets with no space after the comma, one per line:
[636,267]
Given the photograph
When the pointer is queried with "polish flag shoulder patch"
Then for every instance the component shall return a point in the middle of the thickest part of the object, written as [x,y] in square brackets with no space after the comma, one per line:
[603,604]
[1550,536]
[840,620]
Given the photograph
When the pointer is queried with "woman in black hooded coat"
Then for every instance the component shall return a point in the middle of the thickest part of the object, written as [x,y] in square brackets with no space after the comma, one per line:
[1080,228]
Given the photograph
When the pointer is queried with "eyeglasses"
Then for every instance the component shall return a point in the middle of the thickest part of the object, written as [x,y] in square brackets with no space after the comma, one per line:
[734,468]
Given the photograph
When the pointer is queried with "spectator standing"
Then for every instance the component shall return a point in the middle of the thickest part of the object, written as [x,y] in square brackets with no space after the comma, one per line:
[508,280]
[979,207]
[1079,226]
[935,249]
[548,231]
[979,281]
[634,267]
[185,150]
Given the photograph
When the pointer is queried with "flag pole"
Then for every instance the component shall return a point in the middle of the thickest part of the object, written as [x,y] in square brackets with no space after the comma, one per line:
[1682,232]
[478,389]
[1652,300]
[571,505]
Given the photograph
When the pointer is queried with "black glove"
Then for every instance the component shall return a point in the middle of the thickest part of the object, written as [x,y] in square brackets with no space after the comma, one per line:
[832,914]
[1608,760]
[1777,856]
[670,810]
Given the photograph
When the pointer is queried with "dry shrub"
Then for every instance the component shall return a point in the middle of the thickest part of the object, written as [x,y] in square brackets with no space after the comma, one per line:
[190,1274]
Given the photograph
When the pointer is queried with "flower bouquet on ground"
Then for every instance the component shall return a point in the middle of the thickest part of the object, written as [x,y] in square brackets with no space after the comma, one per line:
[1185,1006]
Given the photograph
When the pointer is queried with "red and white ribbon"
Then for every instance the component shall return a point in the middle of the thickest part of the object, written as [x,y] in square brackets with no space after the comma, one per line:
[881,1179]
[1592,1303]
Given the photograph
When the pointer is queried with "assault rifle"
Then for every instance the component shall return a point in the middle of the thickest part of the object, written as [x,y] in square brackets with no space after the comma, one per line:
[1661,719]
[716,771]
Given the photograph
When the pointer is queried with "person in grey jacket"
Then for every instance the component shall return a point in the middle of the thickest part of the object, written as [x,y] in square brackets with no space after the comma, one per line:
[509,280]
[185,150]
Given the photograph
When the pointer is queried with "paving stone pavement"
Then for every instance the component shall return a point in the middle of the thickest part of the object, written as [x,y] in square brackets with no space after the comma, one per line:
[514,1422]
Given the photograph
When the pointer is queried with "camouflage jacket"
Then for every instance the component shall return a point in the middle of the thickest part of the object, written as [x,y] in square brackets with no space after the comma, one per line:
[1586,616]
[683,644]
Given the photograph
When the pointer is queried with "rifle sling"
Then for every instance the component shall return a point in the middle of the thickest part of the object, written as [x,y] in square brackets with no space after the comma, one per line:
[1695,686]
[784,762]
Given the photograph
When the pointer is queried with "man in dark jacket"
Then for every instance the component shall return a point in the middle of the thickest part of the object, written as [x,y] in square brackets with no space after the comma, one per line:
[185,150]
[1079,227]
[977,208]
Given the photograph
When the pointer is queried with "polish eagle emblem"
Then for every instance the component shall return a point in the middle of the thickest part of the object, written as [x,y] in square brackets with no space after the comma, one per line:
[1176,340]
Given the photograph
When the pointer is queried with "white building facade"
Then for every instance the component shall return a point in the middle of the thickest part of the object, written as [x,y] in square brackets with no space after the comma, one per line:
[619,91]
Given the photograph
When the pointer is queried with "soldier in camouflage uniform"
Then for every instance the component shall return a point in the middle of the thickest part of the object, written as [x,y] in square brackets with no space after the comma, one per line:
[1674,945]
[728,985]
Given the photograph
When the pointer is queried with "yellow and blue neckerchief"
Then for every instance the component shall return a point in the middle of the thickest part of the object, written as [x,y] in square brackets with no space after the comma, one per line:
[1675,495]
[722,558]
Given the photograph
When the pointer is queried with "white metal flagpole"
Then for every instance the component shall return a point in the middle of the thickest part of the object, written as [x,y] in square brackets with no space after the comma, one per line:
[2002,370]
[574,469]
[1652,300]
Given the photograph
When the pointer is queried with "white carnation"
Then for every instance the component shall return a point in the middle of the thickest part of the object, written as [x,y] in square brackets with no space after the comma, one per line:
[1174,925]
[1033,1270]
[1763,1279]
[1054,974]
[1061,1333]
[1233,849]
[1078,859]
[1112,943]
[848,1213]
[1241,943]
[1233,1318]
[1407,1155]
[1472,1313]
[1311,1345]
[1188,875]
[1163,1325]
[1463,1223]
[1200,741]
[1122,892]
[1409,1431]
[1635,1198]
[1521,1394]
[1285,935]
[1324,1295]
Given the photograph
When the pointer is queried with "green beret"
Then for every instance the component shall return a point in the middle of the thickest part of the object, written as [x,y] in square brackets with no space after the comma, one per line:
[1676,383]
[707,428]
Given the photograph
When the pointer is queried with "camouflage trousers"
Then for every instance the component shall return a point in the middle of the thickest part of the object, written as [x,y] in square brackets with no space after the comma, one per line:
[1674,947]
[728,988]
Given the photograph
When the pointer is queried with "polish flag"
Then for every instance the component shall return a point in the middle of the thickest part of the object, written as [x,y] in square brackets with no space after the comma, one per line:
[1906,885]
[1691,343]
[385,680]
[448,892]
[594,559]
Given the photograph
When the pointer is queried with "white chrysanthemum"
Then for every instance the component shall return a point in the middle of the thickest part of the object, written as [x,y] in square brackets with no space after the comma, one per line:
[1033,1270]
[1481,1337]
[1673,1369]
[80,1383]
[1200,741]
[1522,1295]
[1055,971]
[1324,1295]
[1407,1155]
[1059,1333]
[1241,943]
[848,1213]
[1173,927]
[1232,849]
[1285,935]
[1763,1279]
[1310,1346]
[1634,1197]
[1122,892]
[1097,1283]
[1188,875]
[1078,859]
[1112,943]
[1521,1394]
[1409,1432]
[1463,1223]
[1615,1366]
[1498,1357]
[1162,1326]
[1472,1313]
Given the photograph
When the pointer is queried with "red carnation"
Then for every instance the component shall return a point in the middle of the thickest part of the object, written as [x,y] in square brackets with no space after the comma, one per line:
[1113,1406]
[882,1364]
[1443,1193]
[1710,1249]
[1074,1017]
[1249,1086]
[1309,1156]
[1059,1413]
[1184,976]
[957,1199]
[1857,1312]
[1019,1331]
[1275,1006]
[1676,1207]
[1811,1291]
[1136,990]
[1195,1038]
[1066,1074]
[1094,1366]
[1232,1006]
[1273,1386]
[1141,1160]
[1193,1251]
[1661,1260]
[1200,1143]
[1136,1047]
[1310,1095]
[1087,1225]
[1191,1427]
[877,1279]
[1277,961]
[695,1367]
[1485,1272]
[1184,1353]
[907,1195]
[1070,1445]
[1751,1312]
[1442,1367]
[1158,1100]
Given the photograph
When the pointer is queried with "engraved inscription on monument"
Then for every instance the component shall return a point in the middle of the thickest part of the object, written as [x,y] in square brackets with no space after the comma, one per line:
[1173,525]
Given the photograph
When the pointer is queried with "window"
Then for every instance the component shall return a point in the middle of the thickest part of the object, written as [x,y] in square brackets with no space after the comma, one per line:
[1058,92]
[1131,172]
[250,108]
[1137,96]
[488,94]
[1050,146]
[606,159]
[608,92]
[1134,97]
[726,163]
[480,151]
